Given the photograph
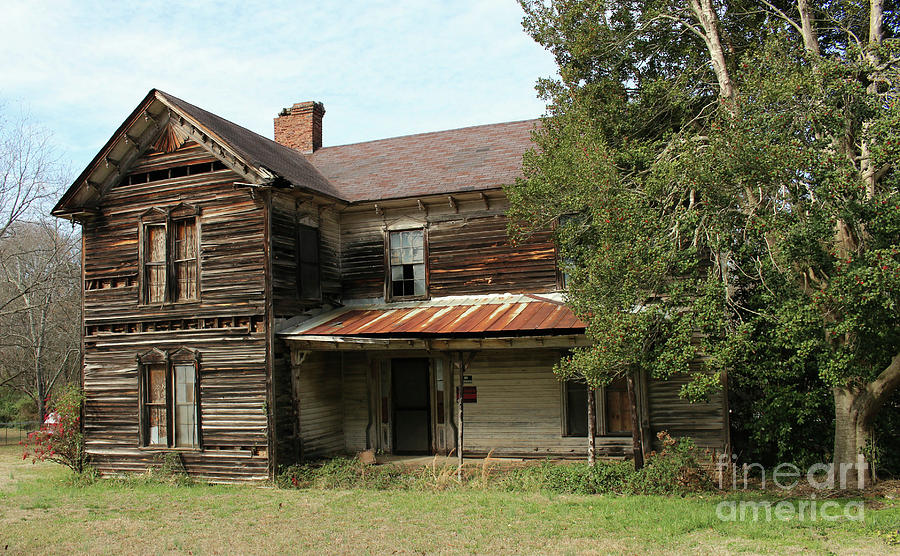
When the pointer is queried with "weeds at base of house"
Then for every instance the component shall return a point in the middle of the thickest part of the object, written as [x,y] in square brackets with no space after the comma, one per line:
[675,470]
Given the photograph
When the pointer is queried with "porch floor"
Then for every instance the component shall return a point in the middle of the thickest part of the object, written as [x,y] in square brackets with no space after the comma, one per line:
[419,461]
[475,461]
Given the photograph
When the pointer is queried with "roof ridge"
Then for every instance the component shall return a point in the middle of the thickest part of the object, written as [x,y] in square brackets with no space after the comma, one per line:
[423,133]
[258,150]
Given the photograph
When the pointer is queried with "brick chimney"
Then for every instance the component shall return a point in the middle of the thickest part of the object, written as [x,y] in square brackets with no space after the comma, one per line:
[300,128]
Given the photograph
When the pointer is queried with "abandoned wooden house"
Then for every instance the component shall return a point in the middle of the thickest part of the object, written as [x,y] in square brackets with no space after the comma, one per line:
[250,303]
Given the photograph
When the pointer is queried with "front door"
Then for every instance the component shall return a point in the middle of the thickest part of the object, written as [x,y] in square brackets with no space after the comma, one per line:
[411,415]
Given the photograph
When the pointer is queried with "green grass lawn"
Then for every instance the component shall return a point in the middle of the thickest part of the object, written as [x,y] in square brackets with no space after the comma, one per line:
[41,511]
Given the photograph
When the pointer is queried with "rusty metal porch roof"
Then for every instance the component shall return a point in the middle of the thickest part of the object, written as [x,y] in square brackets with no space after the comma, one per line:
[456,316]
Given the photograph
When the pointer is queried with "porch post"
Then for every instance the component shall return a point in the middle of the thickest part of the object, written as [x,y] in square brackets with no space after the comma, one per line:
[592,424]
[636,442]
[459,416]
[298,357]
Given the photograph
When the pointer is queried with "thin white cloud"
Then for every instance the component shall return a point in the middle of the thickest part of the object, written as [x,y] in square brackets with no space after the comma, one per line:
[382,68]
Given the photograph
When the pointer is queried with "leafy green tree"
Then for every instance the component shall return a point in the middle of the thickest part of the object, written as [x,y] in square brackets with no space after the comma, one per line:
[732,166]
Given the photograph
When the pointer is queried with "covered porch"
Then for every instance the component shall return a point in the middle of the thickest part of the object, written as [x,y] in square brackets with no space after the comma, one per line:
[423,378]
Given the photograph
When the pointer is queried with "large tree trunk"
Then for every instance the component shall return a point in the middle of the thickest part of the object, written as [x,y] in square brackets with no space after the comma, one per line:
[705,13]
[807,27]
[852,433]
[876,21]
[855,410]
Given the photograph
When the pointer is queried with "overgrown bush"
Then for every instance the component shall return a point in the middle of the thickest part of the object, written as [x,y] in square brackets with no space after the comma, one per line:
[675,469]
[59,439]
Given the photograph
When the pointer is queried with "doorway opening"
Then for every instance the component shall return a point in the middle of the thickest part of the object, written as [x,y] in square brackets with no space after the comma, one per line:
[411,406]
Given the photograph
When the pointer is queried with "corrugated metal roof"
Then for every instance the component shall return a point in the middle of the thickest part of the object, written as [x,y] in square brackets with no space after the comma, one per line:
[488,315]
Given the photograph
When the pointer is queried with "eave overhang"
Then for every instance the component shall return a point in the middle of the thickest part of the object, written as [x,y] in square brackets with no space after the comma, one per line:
[458,322]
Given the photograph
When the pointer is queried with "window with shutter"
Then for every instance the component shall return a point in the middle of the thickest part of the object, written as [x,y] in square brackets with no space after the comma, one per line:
[308,283]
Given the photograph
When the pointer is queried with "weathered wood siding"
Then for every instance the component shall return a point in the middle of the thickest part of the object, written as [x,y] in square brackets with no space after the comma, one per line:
[356,401]
[519,409]
[286,422]
[287,215]
[704,422]
[318,390]
[329,251]
[467,245]
[286,299]
[362,254]
[227,325]
[232,282]
[474,255]
[232,402]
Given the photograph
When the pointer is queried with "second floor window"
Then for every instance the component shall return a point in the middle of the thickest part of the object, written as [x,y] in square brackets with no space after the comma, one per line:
[155,263]
[407,263]
[308,285]
[185,259]
[170,256]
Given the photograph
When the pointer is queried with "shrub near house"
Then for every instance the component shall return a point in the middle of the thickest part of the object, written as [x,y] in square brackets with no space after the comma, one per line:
[60,439]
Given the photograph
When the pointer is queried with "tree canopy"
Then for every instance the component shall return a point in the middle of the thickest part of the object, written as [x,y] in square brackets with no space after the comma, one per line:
[726,179]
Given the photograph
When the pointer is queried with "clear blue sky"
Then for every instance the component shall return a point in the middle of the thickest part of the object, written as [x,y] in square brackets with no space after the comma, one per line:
[382,69]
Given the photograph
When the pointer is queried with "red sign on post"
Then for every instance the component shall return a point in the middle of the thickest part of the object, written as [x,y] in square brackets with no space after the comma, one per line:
[470,394]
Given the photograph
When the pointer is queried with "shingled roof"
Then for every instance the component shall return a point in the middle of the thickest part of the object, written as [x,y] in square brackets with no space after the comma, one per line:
[467,159]
[258,150]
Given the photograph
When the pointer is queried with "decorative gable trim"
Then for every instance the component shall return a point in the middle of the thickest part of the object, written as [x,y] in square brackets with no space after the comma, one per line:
[170,140]
[156,124]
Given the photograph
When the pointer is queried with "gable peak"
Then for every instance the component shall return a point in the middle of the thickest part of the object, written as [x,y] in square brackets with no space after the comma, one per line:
[170,139]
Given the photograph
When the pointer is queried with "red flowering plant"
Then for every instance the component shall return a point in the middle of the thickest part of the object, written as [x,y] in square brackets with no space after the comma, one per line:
[59,439]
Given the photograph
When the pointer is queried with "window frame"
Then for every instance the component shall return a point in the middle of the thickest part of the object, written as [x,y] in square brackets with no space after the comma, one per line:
[600,407]
[388,279]
[169,360]
[168,220]
[298,259]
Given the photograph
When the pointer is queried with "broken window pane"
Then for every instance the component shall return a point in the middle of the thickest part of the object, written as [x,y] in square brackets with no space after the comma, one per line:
[170,404]
[178,252]
[407,260]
